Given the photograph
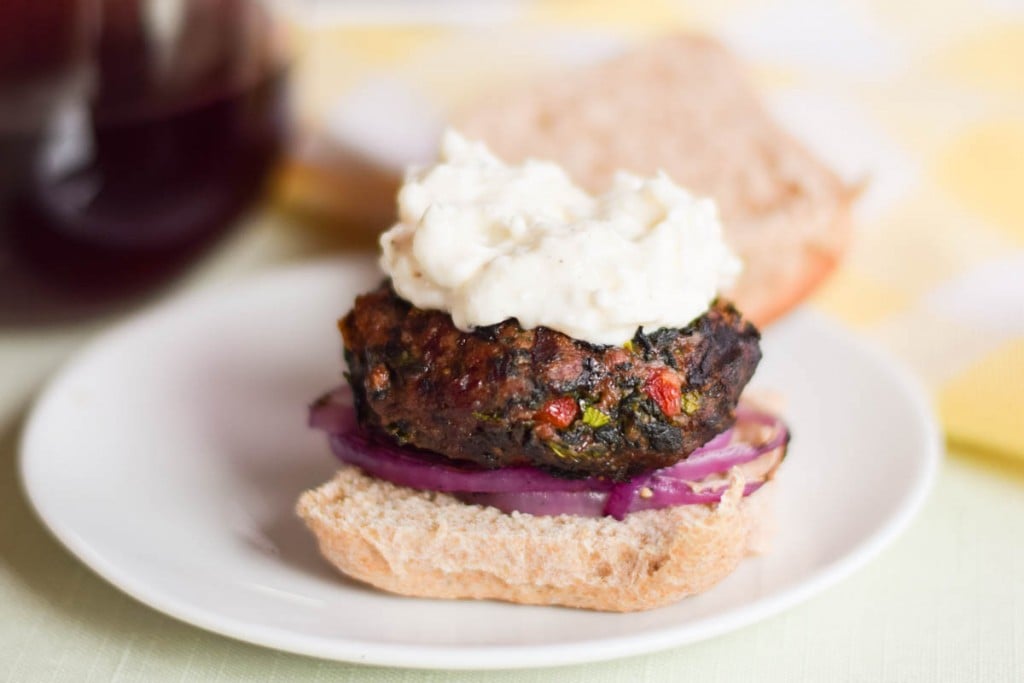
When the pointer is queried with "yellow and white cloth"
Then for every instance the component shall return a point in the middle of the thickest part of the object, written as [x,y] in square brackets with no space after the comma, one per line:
[928,111]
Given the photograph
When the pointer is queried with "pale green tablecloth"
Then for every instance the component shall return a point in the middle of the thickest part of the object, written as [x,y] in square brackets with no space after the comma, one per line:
[944,603]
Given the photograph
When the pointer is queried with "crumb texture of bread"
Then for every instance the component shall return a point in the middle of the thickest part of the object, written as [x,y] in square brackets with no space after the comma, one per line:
[428,544]
[683,105]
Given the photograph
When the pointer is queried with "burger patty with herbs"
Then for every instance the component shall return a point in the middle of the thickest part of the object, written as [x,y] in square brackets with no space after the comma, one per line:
[500,395]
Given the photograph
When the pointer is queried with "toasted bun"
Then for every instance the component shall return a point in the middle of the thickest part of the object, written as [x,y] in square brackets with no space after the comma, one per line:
[684,105]
[432,545]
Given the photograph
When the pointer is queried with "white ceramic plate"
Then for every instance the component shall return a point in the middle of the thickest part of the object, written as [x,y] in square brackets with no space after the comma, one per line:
[168,456]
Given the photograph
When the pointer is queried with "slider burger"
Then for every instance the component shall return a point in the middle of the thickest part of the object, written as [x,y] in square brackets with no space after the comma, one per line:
[543,400]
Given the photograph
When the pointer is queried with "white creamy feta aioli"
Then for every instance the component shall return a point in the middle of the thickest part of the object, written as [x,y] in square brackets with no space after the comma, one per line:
[486,241]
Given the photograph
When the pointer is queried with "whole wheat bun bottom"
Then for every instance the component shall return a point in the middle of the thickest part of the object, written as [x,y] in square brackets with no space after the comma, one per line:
[429,544]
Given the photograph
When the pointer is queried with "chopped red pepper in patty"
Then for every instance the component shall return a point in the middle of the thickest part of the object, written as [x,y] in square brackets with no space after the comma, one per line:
[559,412]
[663,386]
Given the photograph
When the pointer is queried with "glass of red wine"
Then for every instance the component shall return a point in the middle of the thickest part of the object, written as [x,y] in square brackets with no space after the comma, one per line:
[132,134]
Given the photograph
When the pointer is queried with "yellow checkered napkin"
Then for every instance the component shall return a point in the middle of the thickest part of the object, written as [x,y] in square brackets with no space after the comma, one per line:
[927,107]
[937,272]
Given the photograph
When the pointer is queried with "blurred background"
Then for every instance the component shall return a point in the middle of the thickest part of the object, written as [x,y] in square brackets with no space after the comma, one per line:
[148,144]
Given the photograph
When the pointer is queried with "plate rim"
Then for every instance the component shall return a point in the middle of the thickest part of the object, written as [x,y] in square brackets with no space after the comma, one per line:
[461,657]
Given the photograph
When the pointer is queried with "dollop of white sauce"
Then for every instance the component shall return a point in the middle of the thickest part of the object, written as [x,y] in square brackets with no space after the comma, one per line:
[486,241]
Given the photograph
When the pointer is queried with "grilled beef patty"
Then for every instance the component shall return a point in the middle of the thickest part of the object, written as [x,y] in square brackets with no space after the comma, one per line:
[502,395]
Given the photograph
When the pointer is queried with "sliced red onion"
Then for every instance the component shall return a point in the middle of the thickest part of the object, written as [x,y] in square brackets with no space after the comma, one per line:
[596,503]
[719,455]
[668,494]
[426,471]
[621,498]
[333,412]
[534,491]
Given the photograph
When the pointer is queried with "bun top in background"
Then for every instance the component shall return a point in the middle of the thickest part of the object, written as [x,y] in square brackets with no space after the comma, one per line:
[683,105]
[680,103]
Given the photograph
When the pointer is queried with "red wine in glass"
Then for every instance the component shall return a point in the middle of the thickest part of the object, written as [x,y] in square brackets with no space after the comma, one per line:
[132,134]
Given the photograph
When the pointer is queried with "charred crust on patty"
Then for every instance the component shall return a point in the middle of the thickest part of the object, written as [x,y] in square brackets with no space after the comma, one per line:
[476,396]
